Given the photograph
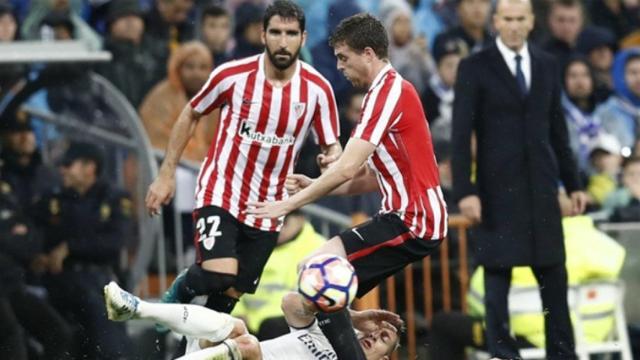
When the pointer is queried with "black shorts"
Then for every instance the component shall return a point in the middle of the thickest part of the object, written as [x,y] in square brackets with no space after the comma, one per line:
[381,247]
[217,234]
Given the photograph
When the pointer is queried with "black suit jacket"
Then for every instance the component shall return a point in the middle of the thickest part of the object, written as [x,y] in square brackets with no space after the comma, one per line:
[522,155]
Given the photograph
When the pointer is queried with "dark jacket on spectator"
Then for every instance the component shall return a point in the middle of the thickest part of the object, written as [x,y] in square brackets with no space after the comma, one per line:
[522,153]
[30,182]
[132,69]
[95,225]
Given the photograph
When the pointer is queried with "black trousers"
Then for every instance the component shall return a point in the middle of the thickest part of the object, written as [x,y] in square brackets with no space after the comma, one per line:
[552,281]
[451,333]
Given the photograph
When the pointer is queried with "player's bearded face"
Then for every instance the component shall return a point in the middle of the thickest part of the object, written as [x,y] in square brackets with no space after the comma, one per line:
[283,40]
[282,58]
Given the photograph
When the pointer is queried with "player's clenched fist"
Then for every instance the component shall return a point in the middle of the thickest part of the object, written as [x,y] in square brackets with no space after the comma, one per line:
[296,182]
[160,193]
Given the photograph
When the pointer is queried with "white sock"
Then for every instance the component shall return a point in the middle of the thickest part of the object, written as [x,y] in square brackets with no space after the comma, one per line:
[190,320]
[226,351]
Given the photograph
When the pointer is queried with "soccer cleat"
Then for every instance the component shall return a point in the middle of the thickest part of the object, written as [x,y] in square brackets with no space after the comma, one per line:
[171,296]
[121,305]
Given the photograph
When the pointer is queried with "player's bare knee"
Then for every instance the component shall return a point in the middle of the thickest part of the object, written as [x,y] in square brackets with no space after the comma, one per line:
[233,292]
[290,301]
[249,347]
[333,246]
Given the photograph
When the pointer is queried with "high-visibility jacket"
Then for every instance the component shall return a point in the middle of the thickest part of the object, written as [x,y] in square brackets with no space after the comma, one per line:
[591,256]
[279,277]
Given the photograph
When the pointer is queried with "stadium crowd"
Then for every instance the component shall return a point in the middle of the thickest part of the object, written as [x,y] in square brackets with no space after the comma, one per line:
[64,225]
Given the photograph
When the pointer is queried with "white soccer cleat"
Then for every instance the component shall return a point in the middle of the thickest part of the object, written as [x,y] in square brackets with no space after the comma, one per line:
[121,305]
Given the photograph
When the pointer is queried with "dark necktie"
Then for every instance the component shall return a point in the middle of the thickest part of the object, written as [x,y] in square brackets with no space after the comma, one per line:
[522,84]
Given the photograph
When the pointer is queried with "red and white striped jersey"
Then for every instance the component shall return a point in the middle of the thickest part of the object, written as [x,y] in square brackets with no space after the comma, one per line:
[261,131]
[404,162]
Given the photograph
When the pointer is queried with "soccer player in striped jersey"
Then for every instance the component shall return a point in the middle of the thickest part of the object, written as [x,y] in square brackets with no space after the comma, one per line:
[390,150]
[269,102]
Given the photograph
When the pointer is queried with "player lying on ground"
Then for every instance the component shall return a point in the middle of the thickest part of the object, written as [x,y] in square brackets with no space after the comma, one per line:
[217,336]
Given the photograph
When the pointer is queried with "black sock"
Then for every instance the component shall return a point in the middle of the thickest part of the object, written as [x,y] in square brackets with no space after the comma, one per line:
[221,303]
[338,329]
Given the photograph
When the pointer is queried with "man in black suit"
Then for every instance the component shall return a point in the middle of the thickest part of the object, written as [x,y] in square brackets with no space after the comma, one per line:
[509,95]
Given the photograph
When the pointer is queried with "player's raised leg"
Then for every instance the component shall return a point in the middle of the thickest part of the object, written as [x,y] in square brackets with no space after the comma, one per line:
[190,320]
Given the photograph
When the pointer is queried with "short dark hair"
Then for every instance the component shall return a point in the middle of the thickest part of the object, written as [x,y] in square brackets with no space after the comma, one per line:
[566,4]
[361,31]
[285,9]
[213,11]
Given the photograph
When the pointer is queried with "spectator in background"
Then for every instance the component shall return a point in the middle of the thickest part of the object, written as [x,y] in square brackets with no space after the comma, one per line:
[188,70]
[262,310]
[474,17]
[605,163]
[24,169]
[579,103]
[438,97]
[619,114]
[407,53]
[509,95]
[32,30]
[27,311]
[248,31]
[619,16]
[166,26]
[325,61]
[10,74]
[598,44]
[215,32]
[87,223]
[132,68]
[623,205]
[8,23]
[566,19]
[57,25]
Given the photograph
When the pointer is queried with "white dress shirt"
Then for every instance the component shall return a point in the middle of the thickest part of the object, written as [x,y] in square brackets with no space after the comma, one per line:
[510,58]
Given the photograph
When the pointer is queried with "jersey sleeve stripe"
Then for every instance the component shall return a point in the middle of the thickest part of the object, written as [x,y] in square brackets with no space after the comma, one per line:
[330,120]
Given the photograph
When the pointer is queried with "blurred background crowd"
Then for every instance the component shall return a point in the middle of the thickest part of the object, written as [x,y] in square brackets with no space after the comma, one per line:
[69,199]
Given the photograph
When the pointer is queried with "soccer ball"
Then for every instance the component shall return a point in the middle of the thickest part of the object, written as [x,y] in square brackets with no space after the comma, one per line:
[329,281]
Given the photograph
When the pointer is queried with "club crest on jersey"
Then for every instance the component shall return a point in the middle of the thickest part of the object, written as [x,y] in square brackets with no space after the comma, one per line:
[298,109]
[248,132]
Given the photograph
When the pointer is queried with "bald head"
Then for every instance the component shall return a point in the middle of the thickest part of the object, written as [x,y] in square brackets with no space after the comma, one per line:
[513,20]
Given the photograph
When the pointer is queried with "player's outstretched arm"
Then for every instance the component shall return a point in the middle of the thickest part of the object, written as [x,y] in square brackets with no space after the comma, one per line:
[163,187]
[344,169]
[365,181]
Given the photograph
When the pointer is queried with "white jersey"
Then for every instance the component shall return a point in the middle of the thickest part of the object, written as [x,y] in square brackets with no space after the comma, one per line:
[299,344]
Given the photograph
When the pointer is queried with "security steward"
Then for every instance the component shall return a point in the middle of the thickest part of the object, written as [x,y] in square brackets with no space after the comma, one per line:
[24,168]
[87,223]
[25,313]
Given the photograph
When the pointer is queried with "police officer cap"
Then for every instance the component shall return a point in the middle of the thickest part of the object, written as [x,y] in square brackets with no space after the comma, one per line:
[82,151]
[21,121]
